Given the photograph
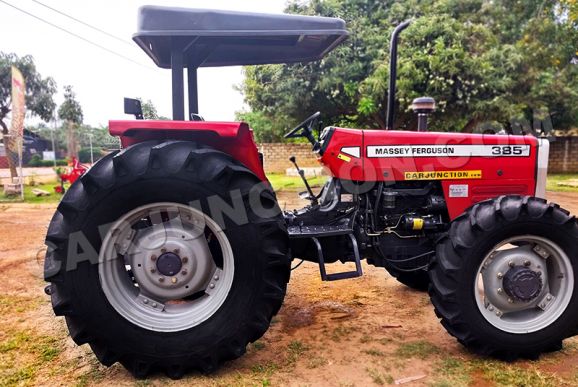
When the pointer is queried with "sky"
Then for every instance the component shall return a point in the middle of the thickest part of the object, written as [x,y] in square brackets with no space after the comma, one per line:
[101,79]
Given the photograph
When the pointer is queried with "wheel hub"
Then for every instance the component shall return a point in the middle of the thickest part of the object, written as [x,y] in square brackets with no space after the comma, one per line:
[148,273]
[522,283]
[169,264]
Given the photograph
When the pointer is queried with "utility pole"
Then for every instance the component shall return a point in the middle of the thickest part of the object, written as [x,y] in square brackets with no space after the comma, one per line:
[52,132]
[90,139]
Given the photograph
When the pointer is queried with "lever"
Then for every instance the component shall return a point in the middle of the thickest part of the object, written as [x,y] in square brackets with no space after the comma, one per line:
[302,174]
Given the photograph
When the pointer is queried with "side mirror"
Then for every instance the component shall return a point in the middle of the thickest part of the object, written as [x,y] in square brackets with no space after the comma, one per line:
[423,107]
[133,106]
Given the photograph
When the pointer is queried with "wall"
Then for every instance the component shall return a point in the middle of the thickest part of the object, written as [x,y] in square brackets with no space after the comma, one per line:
[276,156]
[563,155]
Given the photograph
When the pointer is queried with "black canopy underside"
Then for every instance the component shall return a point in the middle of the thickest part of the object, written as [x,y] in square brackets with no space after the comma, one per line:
[208,38]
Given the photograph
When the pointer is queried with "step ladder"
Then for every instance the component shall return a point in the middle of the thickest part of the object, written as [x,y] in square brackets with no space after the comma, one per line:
[320,231]
[343,275]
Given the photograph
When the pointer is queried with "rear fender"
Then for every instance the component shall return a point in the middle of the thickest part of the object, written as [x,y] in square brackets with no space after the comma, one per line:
[233,138]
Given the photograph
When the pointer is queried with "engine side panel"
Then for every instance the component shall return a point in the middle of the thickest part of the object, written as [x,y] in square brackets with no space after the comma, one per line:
[233,138]
[470,167]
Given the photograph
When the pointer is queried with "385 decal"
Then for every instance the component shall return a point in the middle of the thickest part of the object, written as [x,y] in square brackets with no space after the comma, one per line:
[510,150]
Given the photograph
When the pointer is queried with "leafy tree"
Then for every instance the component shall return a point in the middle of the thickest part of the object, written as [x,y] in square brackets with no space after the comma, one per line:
[71,112]
[264,129]
[39,91]
[501,62]
[149,110]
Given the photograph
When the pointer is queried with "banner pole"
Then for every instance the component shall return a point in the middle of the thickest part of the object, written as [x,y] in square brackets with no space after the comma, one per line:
[21,172]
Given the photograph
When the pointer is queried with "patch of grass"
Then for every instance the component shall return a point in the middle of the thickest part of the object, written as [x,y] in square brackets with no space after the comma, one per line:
[419,349]
[385,341]
[23,353]
[17,304]
[29,197]
[379,378]
[365,339]
[316,361]
[281,182]
[510,375]
[266,369]
[258,345]
[339,332]
[294,351]
[374,352]
[554,179]
[452,372]
[16,377]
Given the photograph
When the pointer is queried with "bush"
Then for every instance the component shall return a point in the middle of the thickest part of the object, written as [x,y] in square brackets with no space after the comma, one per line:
[84,154]
[46,163]
[35,161]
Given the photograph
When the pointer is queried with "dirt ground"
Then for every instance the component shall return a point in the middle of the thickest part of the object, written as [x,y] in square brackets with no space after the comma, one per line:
[365,331]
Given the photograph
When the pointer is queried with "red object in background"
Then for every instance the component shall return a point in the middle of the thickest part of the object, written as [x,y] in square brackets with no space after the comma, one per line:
[73,172]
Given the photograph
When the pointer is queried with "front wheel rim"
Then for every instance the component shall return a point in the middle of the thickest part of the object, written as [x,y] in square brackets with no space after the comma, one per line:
[166,267]
[524,284]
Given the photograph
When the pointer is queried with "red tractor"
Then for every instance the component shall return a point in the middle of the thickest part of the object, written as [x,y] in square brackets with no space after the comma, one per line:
[173,254]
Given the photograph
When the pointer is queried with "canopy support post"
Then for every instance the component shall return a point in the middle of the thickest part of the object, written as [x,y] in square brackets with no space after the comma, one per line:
[193,91]
[178,83]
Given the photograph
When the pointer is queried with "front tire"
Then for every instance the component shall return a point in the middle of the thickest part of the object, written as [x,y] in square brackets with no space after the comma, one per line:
[504,279]
[194,209]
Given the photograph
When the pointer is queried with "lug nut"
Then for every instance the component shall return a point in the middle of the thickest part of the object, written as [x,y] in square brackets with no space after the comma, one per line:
[185,260]
[216,278]
[500,276]
[510,301]
[511,264]
[498,313]
[549,298]
[500,291]
[176,251]
[153,257]
[154,305]
[145,301]
[153,270]
[163,250]
[212,286]
[174,280]
[527,263]
[162,279]
[491,308]
[184,272]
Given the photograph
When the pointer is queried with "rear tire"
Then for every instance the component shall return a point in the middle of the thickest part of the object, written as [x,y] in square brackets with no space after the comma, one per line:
[504,279]
[182,173]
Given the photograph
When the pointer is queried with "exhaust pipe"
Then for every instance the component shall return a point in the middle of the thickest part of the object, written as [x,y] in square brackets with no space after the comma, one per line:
[393,73]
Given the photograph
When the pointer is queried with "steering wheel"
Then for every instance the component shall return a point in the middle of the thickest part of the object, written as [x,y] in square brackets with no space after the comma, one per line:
[306,129]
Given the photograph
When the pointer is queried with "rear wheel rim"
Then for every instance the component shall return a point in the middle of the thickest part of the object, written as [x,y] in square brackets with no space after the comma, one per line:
[166,267]
[524,284]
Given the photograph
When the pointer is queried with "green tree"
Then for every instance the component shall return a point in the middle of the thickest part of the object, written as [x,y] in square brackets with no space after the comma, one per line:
[149,110]
[481,63]
[71,112]
[39,91]
[264,129]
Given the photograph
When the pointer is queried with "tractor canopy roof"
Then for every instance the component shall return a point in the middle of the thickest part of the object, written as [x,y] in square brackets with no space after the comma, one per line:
[208,38]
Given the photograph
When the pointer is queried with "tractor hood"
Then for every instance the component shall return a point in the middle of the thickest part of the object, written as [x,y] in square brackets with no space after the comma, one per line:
[211,38]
